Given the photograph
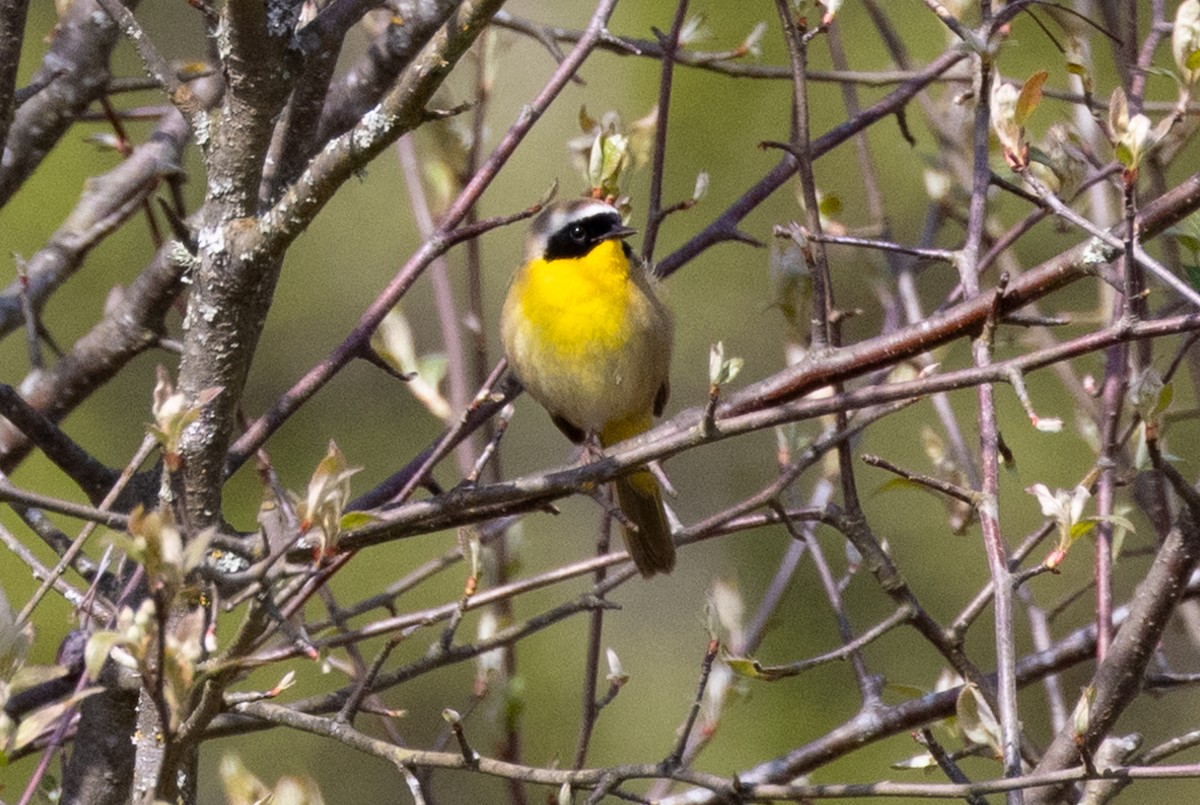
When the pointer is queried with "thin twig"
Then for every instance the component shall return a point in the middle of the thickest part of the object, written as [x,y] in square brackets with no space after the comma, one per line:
[654,214]
[674,759]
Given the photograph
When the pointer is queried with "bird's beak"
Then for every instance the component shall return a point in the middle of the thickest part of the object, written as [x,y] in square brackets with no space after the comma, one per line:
[621,232]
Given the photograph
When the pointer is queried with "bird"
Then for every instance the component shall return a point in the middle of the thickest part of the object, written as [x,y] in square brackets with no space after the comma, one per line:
[587,336]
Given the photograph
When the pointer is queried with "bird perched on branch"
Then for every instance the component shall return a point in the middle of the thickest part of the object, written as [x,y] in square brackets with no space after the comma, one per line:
[587,336]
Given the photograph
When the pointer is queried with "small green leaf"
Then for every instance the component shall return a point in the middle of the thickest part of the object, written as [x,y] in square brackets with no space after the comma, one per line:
[830,205]
[1161,72]
[99,646]
[1030,97]
[353,520]
[1192,62]
[1123,154]
[750,668]
[745,667]
[1082,528]
[1189,242]
[1193,275]
[1187,232]
[720,369]
[895,484]
[432,367]
[1164,399]
[1116,520]
[908,691]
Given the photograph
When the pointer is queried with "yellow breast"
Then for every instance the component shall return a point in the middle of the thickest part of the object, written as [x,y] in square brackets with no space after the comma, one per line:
[580,305]
[589,342]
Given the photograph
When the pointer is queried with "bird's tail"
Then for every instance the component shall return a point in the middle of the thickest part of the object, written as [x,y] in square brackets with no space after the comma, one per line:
[640,498]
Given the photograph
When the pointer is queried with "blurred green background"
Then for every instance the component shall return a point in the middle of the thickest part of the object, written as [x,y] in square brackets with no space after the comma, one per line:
[367,232]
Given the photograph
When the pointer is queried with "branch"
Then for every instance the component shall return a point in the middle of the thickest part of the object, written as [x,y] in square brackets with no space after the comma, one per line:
[683,432]
[106,203]
[93,477]
[414,23]
[767,781]
[654,214]
[400,111]
[725,226]
[12,35]
[74,73]
[1118,679]
[731,63]
[966,317]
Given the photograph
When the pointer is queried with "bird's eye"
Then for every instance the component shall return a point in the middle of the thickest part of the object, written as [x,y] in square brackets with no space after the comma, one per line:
[577,233]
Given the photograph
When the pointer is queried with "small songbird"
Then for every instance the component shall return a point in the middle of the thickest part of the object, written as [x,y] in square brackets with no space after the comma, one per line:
[589,339]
